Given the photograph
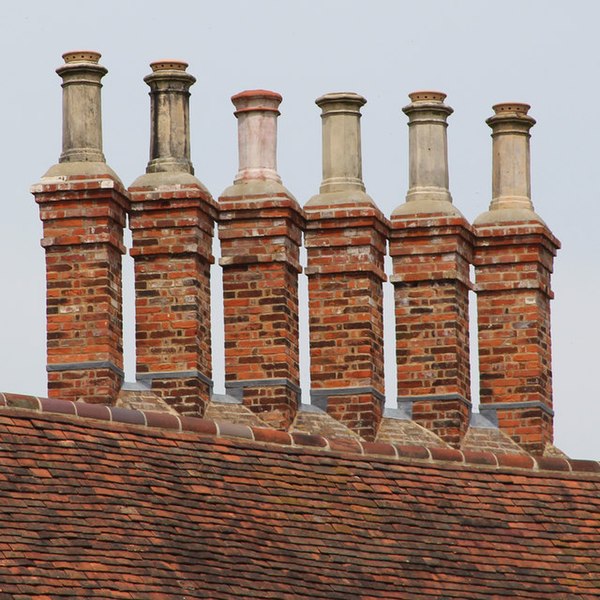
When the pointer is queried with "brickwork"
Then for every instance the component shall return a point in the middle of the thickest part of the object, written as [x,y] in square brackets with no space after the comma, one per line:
[431,258]
[83,219]
[172,233]
[260,242]
[513,268]
[345,249]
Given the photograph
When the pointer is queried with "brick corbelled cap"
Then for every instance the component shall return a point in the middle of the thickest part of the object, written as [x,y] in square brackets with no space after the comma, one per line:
[513,265]
[260,228]
[83,206]
[431,250]
[172,222]
[345,240]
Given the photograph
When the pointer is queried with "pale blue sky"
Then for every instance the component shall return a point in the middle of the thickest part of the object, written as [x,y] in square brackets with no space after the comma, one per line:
[546,53]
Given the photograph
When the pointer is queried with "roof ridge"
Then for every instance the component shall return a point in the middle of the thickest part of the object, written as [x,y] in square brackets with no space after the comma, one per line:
[188,424]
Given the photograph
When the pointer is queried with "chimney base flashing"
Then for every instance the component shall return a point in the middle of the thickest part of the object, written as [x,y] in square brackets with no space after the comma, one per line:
[425,203]
[94,169]
[159,180]
[255,187]
[353,197]
[236,388]
[86,366]
[490,410]
[146,378]
[319,397]
[509,215]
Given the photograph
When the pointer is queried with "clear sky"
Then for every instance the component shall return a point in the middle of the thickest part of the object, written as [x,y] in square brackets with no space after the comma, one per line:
[545,53]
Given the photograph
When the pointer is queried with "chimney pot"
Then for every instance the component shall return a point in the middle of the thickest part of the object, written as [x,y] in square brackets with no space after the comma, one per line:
[342,158]
[82,119]
[428,153]
[169,112]
[257,112]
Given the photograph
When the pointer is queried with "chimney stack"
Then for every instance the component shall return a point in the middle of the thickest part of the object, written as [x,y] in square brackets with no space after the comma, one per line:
[260,228]
[83,208]
[172,222]
[346,241]
[431,249]
[513,259]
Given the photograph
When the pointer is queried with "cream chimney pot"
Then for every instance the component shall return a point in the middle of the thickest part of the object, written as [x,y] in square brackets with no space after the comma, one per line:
[428,147]
[342,160]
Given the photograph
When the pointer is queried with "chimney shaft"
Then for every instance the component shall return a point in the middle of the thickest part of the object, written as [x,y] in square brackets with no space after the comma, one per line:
[513,260]
[82,117]
[172,222]
[260,228]
[83,208]
[169,117]
[345,240]
[431,249]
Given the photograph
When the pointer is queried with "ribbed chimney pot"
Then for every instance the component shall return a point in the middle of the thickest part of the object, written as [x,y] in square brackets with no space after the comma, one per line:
[511,171]
[257,112]
[428,147]
[82,118]
[169,112]
[342,159]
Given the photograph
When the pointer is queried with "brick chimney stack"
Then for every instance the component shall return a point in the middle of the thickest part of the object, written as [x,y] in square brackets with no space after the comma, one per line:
[83,209]
[260,228]
[513,259]
[172,222]
[346,241]
[431,249]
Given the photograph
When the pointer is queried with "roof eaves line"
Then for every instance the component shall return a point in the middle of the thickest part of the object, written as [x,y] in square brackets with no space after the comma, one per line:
[382,450]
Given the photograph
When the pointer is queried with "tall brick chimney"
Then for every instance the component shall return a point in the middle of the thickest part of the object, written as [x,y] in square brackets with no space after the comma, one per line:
[83,208]
[346,241]
[172,222]
[513,260]
[260,228]
[431,249]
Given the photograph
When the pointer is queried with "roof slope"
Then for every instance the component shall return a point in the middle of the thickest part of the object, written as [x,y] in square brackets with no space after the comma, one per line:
[92,508]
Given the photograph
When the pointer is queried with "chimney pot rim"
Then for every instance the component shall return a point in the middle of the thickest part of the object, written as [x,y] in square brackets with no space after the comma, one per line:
[511,107]
[427,96]
[340,96]
[169,64]
[259,93]
[81,56]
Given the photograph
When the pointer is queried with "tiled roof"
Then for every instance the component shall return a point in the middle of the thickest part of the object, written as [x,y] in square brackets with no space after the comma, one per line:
[114,503]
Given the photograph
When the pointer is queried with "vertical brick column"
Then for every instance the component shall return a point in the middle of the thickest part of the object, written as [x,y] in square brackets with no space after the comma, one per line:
[431,247]
[260,228]
[513,259]
[346,241]
[83,209]
[172,222]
